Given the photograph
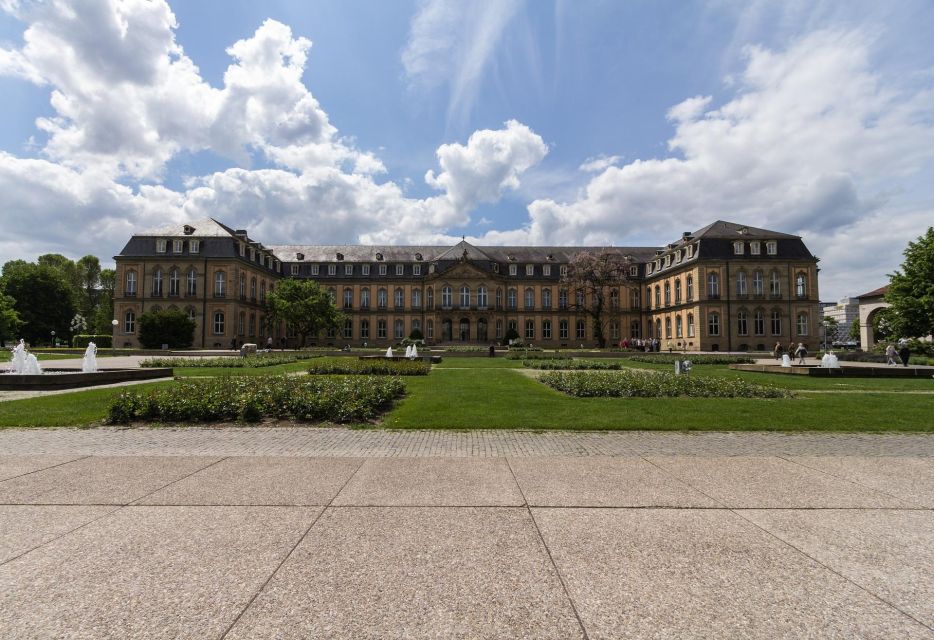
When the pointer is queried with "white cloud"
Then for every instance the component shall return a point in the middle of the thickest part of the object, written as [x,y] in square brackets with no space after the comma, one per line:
[599,163]
[452,43]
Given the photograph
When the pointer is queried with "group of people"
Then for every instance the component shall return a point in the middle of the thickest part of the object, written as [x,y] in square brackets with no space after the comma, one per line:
[800,352]
[893,356]
[646,345]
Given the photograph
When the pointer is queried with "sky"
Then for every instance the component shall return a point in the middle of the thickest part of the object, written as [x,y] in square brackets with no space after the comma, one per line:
[507,122]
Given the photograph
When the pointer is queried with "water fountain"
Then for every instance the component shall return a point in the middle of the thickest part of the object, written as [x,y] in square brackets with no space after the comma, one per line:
[23,362]
[389,352]
[89,362]
[786,360]
[414,352]
[830,361]
[408,351]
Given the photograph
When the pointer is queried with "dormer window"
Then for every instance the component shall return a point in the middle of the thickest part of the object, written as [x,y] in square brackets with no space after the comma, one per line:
[550,256]
[634,270]
[194,246]
[348,269]
[365,269]
[649,268]
[416,269]
[563,270]
[495,267]
[530,269]
[299,256]
[294,269]
[177,246]
[332,269]
[314,269]
[511,258]
[677,257]
[432,267]
[743,231]
[738,248]
[546,269]
[242,250]
[160,246]
[379,256]
[771,248]
[668,260]
[252,254]
[382,268]
[340,256]
[513,269]
[418,257]
[188,229]
[690,251]
[400,269]
[754,248]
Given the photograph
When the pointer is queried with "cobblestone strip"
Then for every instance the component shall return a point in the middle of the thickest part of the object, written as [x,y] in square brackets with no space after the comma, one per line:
[338,442]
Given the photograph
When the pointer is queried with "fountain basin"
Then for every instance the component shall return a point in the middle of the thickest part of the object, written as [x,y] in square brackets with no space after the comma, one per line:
[74,378]
[882,371]
[431,359]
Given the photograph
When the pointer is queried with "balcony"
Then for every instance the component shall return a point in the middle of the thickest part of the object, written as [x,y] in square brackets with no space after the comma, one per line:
[713,296]
[775,296]
[129,294]
[220,294]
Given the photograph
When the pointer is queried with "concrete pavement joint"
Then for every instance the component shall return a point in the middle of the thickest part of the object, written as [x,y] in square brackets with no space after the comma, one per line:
[839,477]
[131,503]
[45,468]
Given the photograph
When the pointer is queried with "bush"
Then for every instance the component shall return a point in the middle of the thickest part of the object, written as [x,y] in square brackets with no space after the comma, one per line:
[372,366]
[637,384]
[511,334]
[103,341]
[456,349]
[332,399]
[416,335]
[232,362]
[697,358]
[569,364]
[173,328]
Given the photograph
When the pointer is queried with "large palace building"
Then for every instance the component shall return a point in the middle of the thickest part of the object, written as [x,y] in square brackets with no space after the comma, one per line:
[726,287]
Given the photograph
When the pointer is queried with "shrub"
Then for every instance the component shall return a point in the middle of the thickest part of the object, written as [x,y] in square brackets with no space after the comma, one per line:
[569,364]
[457,349]
[332,399]
[103,341]
[416,335]
[637,384]
[372,366]
[511,334]
[173,328]
[232,362]
[696,358]
[528,352]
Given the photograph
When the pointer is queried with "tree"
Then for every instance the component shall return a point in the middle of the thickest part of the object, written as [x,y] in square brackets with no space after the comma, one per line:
[592,278]
[883,324]
[830,328]
[304,306]
[89,276]
[104,308]
[911,290]
[43,300]
[854,329]
[173,328]
[9,319]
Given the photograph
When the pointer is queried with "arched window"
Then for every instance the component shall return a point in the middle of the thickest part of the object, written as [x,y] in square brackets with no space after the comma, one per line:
[667,295]
[242,285]
[416,298]
[430,298]
[776,322]
[511,299]
[262,292]
[399,329]
[546,329]
[499,298]
[690,288]
[465,296]
[398,298]
[157,282]
[580,330]
[382,299]
[775,285]
[563,329]
[253,289]
[252,331]
[741,283]
[678,291]
[364,329]
[802,324]
[757,283]
[129,322]
[741,325]
[447,297]
[130,289]
[679,327]
[801,285]
[482,297]
[529,329]
[579,298]
[546,298]
[218,323]
[713,324]
[529,298]
[429,329]
[668,327]
[348,298]
[614,299]
[758,323]
[174,281]
[658,328]
[690,325]
[241,323]
[220,283]
[562,299]
[713,286]
[634,301]
[658,296]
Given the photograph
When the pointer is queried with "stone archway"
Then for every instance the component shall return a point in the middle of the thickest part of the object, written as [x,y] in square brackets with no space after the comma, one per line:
[867,312]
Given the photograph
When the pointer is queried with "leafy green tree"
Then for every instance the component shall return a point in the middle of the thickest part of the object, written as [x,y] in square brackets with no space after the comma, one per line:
[88,271]
[883,324]
[911,290]
[104,305]
[9,319]
[304,306]
[173,328]
[854,329]
[43,299]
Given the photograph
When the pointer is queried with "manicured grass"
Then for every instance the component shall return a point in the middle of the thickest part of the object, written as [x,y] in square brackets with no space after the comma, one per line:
[300,366]
[478,363]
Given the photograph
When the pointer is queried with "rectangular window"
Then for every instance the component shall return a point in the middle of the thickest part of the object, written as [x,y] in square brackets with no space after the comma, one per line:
[713,324]
[160,246]
[416,269]
[365,269]
[529,329]
[348,329]
[563,270]
[580,329]
[242,249]
[546,329]
[429,329]
[546,269]
[738,248]
[776,323]
[364,329]
[314,269]
[563,329]
[802,324]
[332,269]
[380,328]
[634,271]
[348,269]
[252,254]
[400,269]
[194,246]
[177,246]
[294,269]
[513,269]
[690,251]
[771,248]
[530,269]
[399,330]
[754,248]
[382,269]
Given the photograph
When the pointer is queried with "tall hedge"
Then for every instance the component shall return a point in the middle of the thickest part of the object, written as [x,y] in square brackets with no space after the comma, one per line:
[173,328]
[101,340]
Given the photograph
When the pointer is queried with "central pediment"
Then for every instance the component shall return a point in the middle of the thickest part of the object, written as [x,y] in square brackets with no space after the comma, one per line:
[464,271]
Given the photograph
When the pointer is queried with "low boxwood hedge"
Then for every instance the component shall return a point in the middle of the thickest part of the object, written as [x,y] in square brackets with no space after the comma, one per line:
[331,399]
[695,358]
[231,362]
[637,384]
[372,366]
[571,364]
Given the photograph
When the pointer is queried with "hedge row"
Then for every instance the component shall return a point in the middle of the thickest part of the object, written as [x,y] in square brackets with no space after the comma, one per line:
[231,362]
[695,358]
[635,384]
[570,364]
[101,340]
[331,399]
[370,367]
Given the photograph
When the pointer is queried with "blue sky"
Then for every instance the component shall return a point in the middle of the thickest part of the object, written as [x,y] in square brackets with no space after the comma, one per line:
[509,122]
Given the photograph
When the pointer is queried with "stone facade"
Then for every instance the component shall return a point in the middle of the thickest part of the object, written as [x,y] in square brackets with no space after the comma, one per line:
[725,287]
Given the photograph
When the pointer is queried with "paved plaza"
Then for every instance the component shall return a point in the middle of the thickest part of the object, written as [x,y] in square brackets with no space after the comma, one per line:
[340,533]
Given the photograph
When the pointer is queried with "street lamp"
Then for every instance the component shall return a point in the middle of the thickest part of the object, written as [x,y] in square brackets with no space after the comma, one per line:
[113,337]
[53,339]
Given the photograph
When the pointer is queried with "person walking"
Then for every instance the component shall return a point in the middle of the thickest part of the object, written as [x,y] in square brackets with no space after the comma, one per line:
[777,351]
[891,356]
[801,352]
[904,352]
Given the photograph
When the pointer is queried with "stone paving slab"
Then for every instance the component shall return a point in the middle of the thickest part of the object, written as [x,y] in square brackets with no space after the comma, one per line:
[602,482]
[415,573]
[769,482]
[909,479]
[671,573]
[25,527]
[12,466]
[432,482]
[148,572]
[378,443]
[261,480]
[99,480]
[888,553]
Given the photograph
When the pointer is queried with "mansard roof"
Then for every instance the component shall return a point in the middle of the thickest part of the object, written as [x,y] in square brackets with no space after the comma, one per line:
[733,230]
[204,228]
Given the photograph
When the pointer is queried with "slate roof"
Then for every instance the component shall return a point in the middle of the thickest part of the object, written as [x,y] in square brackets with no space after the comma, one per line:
[733,230]
[204,228]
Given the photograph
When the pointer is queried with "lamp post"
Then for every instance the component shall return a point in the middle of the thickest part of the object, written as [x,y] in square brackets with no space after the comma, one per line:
[113,337]
[53,339]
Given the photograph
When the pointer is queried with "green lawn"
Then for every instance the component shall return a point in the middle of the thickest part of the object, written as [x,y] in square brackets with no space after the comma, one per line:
[471,393]
[289,367]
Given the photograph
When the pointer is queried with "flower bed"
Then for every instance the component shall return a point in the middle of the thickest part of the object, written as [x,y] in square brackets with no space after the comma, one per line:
[232,362]
[634,384]
[695,358]
[331,399]
[370,367]
[570,364]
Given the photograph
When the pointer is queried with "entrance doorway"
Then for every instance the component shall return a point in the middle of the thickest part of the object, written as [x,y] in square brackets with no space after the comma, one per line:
[481,330]
[464,330]
[446,330]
